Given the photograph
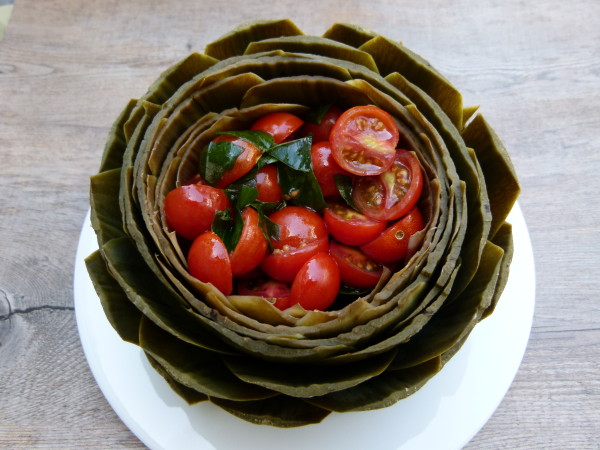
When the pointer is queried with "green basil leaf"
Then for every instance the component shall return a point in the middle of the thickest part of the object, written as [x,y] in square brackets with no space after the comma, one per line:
[344,185]
[246,196]
[228,228]
[294,154]
[269,228]
[300,188]
[316,115]
[261,139]
[264,160]
[217,158]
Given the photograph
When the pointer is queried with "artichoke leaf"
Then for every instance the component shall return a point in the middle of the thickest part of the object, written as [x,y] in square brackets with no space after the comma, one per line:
[112,156]
[504,239]
[191,396]
[104,200]
[349,34]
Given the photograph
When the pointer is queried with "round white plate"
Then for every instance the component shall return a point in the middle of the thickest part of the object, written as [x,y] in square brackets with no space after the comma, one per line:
[445,414]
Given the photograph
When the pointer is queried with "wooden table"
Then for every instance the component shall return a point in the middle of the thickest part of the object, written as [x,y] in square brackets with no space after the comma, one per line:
[68,67]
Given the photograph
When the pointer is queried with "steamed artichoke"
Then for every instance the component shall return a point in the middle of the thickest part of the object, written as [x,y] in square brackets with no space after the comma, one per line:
[294,367]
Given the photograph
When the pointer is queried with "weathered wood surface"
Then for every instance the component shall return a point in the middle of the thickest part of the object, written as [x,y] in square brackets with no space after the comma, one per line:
[67,68]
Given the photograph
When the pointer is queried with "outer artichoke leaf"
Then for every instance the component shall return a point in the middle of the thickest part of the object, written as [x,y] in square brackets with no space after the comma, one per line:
[500,177]
[121,313]
[349,34]
[305,90]
[308,380]
[116,143]
[504,239]
[468,113]
[392,57]
[190,395]
[226,93]
[316,46]
[382,391]
[194,367]
[154,299]
[457,318]
[177,75]
[235,42]
[104,200]
[136,115]
[280,411]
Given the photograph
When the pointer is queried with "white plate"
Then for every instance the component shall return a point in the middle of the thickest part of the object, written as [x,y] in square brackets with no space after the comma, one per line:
[445,414]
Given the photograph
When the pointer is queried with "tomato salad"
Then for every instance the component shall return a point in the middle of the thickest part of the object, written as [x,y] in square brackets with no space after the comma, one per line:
[300,211]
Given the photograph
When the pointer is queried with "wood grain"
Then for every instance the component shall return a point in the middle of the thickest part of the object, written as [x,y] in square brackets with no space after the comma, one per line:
[68,67]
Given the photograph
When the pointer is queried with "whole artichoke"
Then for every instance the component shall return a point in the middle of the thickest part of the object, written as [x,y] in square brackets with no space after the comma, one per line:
[293,367]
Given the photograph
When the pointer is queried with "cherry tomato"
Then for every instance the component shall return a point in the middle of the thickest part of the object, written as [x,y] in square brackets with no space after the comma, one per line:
[280,125]
[252,246]
[356,268]
[392,194]
[190,209]
[317,283]
[320,131]
[302,234]
[392,244]
[244,162]
[208,261]
[268,185]
[268,288]
[325,167]
[349,226]
[364,140]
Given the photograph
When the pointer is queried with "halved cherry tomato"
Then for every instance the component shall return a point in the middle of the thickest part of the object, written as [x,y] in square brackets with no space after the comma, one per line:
[244,162]
[302,234]
[364,140]
[278,291]
[208,261]
[356,268]
[317,283]
[351,227]
[268,185]
[252,246]
[190,209]
[280,125]
[321,131]
[393,193]
[392,244]
[325,167]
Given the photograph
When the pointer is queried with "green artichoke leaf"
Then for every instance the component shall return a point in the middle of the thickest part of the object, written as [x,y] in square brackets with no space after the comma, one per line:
[280,411]
[504,239]
[104,200]
[191,396]
[381,391]
[349,34]
[392,57]
[115,146]
[194,367]
[316,46]
[308,380]
[121,313]
[500,177]
[236,41]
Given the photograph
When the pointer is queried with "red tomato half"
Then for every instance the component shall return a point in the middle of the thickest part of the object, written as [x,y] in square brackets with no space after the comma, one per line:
[302,234]
[364,140]
[349,226]
[244,162]
[267,184]
[317,283]
[268,288]
[280,125]
[392,194]
[392,244]
[252,246]
[325,167]
[356,268]
[190,209]
[320,131]
[208,261]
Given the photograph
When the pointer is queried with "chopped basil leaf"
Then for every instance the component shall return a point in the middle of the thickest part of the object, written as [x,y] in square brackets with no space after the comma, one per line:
[344,185]
[246,195]
[295,154]
[316,115]
[269,228]
[217,158]
[228,228]
[260,139]
[265,160]
[300,188]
